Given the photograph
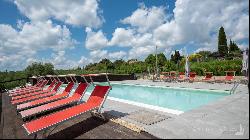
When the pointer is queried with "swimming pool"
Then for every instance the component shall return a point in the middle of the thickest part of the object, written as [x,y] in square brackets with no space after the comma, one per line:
[163,97]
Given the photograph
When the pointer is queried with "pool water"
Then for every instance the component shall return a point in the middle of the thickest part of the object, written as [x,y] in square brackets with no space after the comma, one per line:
[165,97]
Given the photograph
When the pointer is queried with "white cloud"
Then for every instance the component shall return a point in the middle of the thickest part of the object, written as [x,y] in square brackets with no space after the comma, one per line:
[95,40]
[19,47]
[16,46]
[146,19]
[243,46]
[202,49]
[77,12]
[141,52]
[167,52]
[122,37]
[241,30]
[60,61]
[83,61]
[97,55]
[117,55]
[195,22]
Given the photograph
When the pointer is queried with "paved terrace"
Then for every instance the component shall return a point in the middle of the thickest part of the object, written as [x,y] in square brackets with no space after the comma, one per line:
[82,127]
[225,118]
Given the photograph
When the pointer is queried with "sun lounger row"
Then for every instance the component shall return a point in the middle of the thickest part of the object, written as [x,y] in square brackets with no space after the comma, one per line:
[32,105]
[173,76]
[38,87]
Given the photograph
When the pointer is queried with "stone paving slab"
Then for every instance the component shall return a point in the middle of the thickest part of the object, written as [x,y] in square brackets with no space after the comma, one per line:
[146,117]
[227,117]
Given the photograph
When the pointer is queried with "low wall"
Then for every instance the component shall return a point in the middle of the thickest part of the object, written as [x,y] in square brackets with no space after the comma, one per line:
[99,78]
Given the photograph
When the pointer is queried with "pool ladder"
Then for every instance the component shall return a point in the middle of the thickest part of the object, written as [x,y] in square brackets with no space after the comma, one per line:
[236,84]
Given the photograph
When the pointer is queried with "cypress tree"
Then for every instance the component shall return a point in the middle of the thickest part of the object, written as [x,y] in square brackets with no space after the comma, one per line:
[233,47]
[222,43]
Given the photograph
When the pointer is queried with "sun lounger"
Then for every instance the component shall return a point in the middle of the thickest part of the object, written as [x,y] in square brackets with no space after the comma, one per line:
[172,76]
[165,76]
[42,101]
[181,77]
[28,87]
[79,92]
[41,95]
[192,76]
[30,90]
[39,88]
[228,78]
[27,94]
[208,77]
[95,101]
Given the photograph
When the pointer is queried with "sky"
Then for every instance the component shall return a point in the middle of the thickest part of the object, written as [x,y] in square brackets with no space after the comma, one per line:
[72,33]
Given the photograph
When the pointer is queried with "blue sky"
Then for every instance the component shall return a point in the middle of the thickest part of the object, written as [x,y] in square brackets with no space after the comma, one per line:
[76,33]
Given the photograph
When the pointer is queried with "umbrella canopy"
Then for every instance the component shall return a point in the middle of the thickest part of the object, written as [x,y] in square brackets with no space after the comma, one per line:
[245,62]
[187,69]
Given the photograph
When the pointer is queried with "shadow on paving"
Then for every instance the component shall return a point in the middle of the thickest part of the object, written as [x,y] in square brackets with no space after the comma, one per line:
[78,129]
[83,126]
[87,125]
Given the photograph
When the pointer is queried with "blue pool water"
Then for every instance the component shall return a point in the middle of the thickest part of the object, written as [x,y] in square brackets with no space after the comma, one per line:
[171,98]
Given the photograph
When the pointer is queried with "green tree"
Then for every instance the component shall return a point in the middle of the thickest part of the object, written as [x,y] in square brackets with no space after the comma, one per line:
[222,43]
[205,55]
[39,69]
[176,57]
[150,60]
[169,66]
[48,69]
[233,47]
[105,61]
[105,65]
[161,59]
[118,62]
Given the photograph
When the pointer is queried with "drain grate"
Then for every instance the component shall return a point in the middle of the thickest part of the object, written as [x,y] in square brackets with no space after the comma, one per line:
[146,117]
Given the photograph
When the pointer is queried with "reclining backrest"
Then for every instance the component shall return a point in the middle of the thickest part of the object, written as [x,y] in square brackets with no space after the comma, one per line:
[39,83]
[57,86]
[43,83]
[52,84]
[98,94]
[80,89]
[69,87]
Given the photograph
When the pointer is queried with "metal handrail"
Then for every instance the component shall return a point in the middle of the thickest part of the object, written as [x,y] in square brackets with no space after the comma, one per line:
[236,84]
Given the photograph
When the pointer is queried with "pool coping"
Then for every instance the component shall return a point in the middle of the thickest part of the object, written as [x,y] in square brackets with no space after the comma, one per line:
[182,88]
[154,107]
[214,117]
[181,126]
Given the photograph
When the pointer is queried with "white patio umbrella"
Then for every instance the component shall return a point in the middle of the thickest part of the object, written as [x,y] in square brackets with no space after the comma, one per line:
[187,69]
[245,62]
